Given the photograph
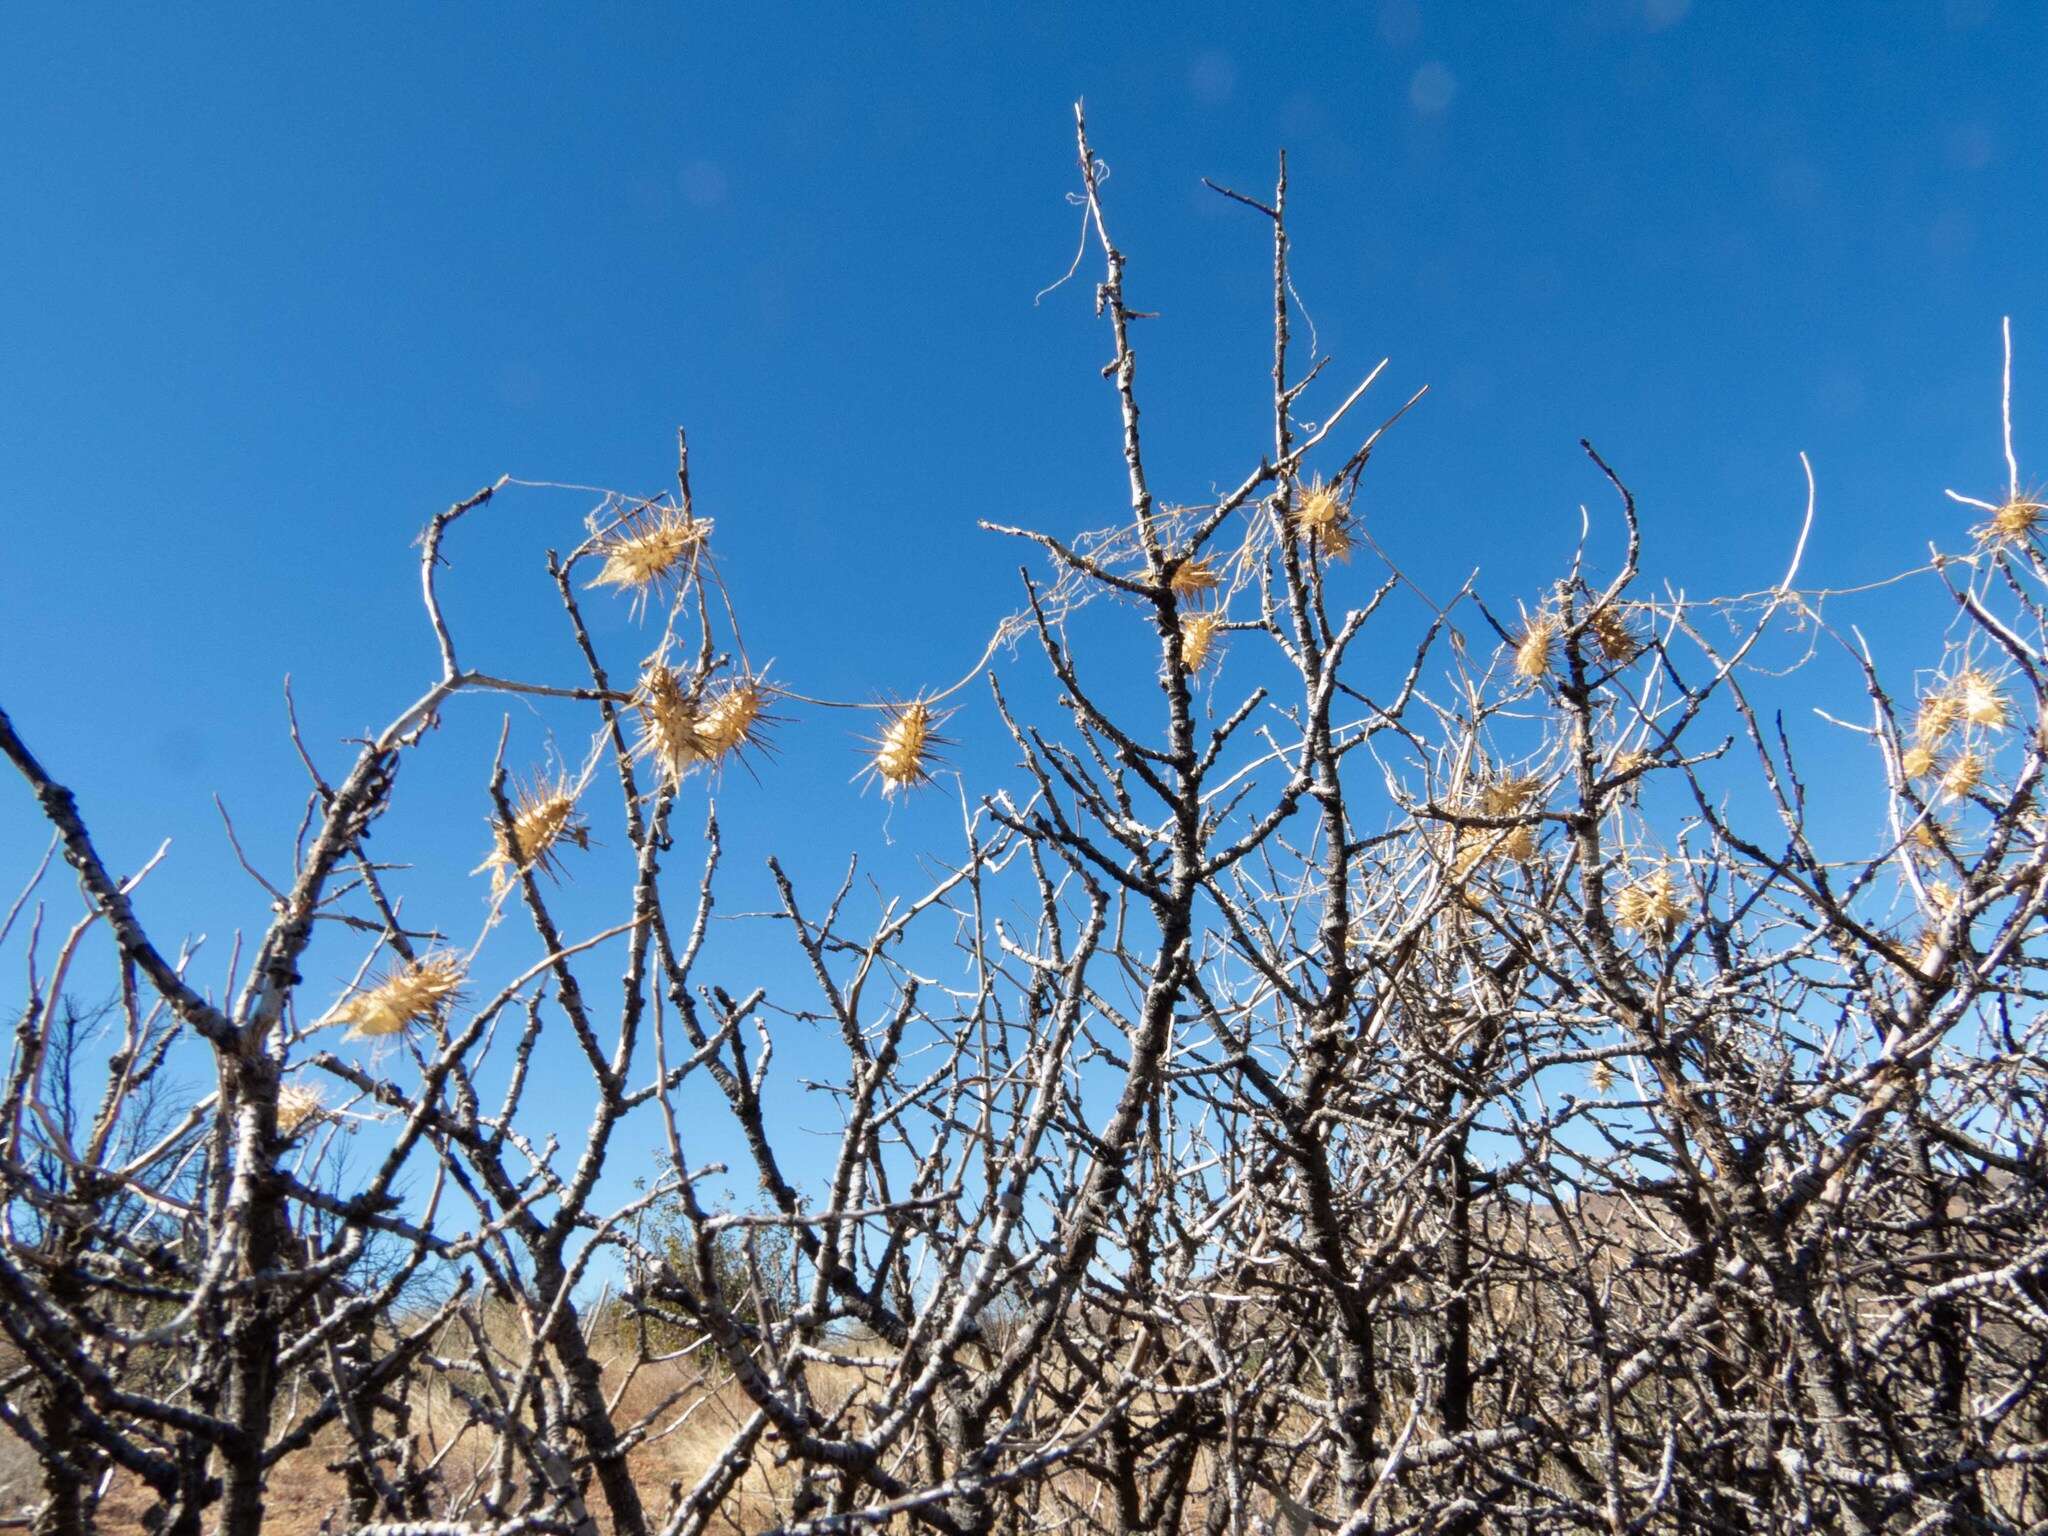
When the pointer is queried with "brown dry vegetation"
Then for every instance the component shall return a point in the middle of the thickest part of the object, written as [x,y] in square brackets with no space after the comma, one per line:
[308,1493]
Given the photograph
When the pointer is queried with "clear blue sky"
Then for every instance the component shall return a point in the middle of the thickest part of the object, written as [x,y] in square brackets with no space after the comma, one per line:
[277,283]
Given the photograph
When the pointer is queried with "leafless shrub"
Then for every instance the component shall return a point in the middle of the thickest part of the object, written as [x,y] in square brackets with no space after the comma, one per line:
[1467,1091]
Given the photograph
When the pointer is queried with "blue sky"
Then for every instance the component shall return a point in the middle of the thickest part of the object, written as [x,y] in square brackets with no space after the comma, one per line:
[276,284]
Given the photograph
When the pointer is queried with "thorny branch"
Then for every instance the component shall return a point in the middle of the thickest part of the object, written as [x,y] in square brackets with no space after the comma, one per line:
[1403,1088]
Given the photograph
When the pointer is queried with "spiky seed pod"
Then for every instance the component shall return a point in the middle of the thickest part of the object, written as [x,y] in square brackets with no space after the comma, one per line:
[1321,517]
[1198,638]
[1916,762]
[1618,642]
[1509,796]
[1979,701]
[406,996]
[651,551]
[1532,651]
[1194,577]
[2016,520]
[1941,897]
[544,817]
[1963,775]
[1941,711]
[1519,844]
[1927,835]
[733,720]
[1474,846]
[298,1105]
[1601,1075]
[1650,907]
[671,721]
[903,751]
[1630,761]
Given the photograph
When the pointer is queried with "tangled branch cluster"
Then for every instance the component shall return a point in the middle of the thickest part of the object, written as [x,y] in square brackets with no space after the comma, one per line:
[1455,1094]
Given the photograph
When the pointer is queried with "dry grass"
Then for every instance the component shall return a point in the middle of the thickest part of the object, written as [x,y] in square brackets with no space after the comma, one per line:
[693,1408]
[698,1412]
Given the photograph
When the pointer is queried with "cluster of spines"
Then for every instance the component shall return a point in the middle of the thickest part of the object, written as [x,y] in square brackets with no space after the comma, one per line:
[544,819]
[684,728]
[408,994]
[1969,703]
[652,551]
[1322,520]
[904,750]
[1650,906]
[1513,795]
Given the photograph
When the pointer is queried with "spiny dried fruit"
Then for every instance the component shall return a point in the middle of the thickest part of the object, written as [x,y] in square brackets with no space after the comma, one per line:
[2016,519]
[671,721]
[1650,907]
[1941,897]
[1509,796]
[1512,796]
[1940,713]
[1476,846]
[1601,1076]
[1917,762]
[1927,835]
[1321,517]
[1194,577]
[1980,702]
[405,997]
[1517,843]
[298,1105]
[1197,638]
[651,551]
[1963,775]
[733,720]
[1618,642]
[903,751]
[544,816]
[1532,651]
